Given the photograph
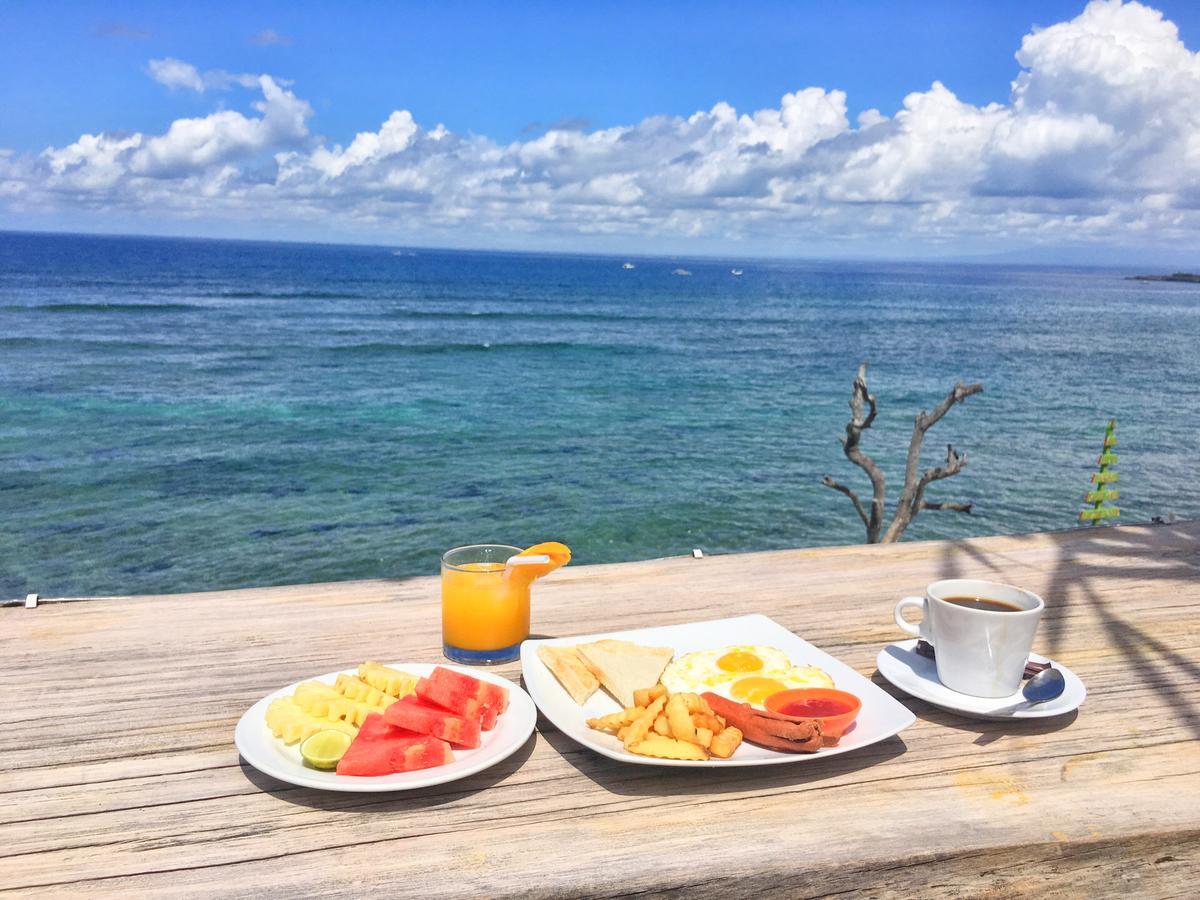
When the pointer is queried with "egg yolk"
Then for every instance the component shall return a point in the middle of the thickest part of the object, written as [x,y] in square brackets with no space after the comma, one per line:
[756,690]
[739,661]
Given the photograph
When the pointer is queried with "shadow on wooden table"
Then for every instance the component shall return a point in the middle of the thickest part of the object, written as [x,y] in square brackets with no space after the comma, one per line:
[398,801]
[664,781]
[1151,558]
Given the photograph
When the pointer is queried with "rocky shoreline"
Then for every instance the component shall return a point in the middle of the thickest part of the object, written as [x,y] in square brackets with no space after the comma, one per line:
[1186,277]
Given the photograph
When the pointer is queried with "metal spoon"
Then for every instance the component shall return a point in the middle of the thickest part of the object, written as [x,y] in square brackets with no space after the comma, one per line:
[1045,685]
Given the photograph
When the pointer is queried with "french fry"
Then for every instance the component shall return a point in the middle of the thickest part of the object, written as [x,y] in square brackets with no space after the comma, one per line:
[725,743]
[680,719]
[613,721]
[604,723]
[645,696]
[640,726]
[668,748]
[679,726]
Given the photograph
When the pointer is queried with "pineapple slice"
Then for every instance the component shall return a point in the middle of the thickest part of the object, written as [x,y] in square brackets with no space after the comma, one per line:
[390,681]
[321,700]
[357,689]
[343,706]
[290,723]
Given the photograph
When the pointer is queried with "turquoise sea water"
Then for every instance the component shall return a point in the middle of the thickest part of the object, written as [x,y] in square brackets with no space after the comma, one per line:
[182,415]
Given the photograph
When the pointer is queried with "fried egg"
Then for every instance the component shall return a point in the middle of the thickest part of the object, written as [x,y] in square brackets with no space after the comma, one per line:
[746,673]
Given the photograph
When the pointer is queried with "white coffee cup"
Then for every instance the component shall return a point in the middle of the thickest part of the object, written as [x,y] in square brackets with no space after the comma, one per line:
[980,652]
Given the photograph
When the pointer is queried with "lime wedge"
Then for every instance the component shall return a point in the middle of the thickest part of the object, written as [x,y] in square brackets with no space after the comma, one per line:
[325,748]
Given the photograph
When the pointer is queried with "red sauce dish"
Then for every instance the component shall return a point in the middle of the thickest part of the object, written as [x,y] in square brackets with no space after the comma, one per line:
[835,709]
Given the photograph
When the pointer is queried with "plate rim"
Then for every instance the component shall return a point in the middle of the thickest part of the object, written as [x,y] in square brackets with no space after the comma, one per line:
[1035,712]
[529,654]
[297,776]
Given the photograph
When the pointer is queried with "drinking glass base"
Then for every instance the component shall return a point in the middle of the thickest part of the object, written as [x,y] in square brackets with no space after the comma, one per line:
[481,657]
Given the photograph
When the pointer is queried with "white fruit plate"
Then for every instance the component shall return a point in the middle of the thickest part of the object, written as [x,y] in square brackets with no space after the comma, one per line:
[881,716]
[273,757]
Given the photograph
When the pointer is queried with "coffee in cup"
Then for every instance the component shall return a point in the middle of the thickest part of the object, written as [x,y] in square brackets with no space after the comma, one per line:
[982,632]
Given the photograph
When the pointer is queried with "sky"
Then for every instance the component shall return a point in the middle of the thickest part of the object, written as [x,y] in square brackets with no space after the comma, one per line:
[896,129]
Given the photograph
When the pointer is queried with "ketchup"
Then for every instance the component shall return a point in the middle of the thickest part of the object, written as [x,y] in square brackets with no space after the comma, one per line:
[815,708]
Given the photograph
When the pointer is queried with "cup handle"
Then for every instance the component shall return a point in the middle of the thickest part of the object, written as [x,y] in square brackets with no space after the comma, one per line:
[909,627]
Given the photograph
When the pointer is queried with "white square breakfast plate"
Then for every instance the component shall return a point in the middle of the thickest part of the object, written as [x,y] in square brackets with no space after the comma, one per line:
[271,756]
[881,716]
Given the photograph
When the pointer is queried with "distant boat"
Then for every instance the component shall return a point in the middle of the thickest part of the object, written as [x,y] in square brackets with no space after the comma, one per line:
[737,273]
[681,272]
[629,266]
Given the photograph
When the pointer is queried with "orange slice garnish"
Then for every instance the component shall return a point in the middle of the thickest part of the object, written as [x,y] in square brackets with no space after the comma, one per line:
[560,555]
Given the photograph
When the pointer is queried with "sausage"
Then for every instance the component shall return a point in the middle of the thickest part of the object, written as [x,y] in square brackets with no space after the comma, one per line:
[766,728]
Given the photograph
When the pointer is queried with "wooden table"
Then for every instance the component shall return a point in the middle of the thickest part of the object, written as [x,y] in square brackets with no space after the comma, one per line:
[118,772]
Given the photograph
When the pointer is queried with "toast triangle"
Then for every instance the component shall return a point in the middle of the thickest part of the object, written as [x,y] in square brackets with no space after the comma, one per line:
[570,670]
[623,667]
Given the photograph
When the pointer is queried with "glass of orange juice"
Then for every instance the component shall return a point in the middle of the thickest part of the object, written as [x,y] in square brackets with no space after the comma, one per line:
[485,611]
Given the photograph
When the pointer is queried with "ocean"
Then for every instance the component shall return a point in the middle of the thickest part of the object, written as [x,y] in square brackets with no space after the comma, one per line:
[181,415]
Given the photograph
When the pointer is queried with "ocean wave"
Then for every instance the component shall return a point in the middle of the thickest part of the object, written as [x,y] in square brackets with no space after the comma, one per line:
[286,295]
[567,316]
[501,316]
[384,347]
[103,307]
[18,343]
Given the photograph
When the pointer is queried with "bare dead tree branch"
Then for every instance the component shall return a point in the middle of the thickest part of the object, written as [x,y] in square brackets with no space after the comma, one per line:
[959,393]
[842,489]
[862,414]
[914,486]
[912,498]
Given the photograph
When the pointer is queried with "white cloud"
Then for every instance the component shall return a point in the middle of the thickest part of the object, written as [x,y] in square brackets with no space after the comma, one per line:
[175,73]
[368,146]
[94,162]
[194,144]
[1100,139]
[103,162]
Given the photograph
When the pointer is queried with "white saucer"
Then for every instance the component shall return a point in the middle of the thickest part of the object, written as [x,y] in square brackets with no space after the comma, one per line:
[900,664]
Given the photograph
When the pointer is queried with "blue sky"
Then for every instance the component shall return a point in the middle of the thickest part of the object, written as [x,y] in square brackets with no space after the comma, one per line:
[507,75]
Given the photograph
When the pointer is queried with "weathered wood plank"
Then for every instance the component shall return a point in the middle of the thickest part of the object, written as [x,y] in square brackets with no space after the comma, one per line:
[120,773]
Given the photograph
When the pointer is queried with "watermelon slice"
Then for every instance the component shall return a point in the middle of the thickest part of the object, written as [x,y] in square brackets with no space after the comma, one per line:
[489,695]
[398,754]
[374,728]
[441,694]
[492,698]
[417,715]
